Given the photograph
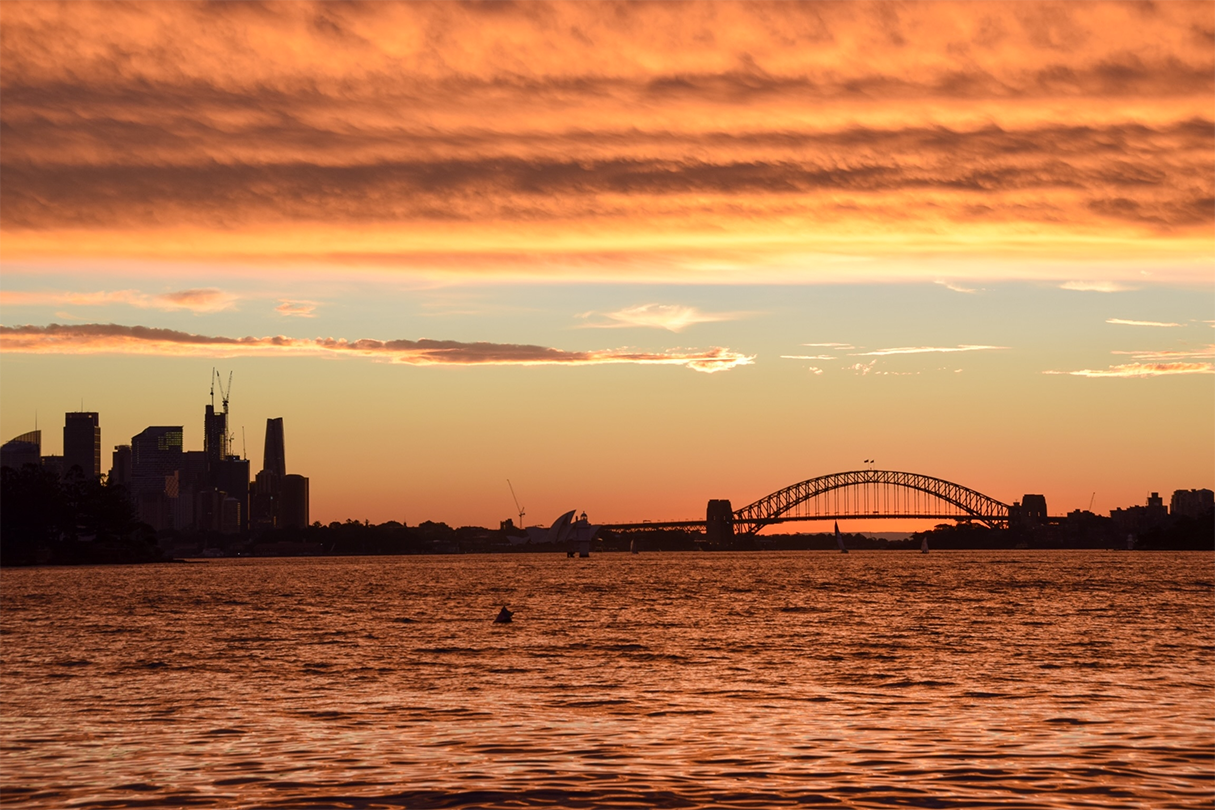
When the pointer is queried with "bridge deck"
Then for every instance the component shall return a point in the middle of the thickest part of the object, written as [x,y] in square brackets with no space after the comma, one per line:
[700,524]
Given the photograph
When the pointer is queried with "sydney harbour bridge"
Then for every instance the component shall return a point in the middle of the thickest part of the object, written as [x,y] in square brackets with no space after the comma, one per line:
[869,494]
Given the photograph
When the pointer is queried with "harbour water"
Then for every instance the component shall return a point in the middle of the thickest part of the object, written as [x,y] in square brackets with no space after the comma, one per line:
[1004,679]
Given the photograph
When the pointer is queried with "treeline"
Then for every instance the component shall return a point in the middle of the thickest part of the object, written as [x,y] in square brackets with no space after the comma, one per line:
[75,520]
[1177,534]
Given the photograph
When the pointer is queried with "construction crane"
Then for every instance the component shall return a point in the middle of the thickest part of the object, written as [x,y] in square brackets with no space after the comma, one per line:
[517,506]
[224,395]
[1090,502]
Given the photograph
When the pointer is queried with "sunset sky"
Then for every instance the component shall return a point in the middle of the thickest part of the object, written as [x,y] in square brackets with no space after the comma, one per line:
[629,256]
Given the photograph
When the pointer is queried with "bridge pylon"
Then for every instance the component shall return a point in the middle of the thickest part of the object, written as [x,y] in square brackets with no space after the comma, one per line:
[719,523]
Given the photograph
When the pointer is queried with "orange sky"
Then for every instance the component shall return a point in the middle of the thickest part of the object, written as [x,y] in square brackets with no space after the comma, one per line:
[972,240]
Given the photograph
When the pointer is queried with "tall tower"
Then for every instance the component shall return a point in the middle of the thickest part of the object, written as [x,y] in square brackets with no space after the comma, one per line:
[274,458]
[82,442]
[215,423]
[215,433]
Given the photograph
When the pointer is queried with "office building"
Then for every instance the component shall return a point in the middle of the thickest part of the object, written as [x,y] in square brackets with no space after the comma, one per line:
[293,510]
[268,500]
[215,434]
[274,456]
[231,477]
[120,465]
[155,461]
[1191,503]
[24,449]
[82,443]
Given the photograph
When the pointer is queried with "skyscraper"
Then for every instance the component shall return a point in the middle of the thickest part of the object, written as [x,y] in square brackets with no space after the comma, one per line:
[155,461]
[267,492]
[82,443]
[294,509]
[274,457]
[215,434]
[25,449]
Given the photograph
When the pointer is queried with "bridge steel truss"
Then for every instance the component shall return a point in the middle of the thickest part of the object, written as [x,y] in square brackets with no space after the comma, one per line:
[871,494]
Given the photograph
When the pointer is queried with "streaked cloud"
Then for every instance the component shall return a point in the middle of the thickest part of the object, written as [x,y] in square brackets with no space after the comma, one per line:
[925,350]
[672,317]
[829,345]
[1203,352]
[196,300]
[950,285]
[1142,370]
[118,339]
[807,357]
[1095,286]
[298,309]
[1124,322]
[1155,363]
[461,137]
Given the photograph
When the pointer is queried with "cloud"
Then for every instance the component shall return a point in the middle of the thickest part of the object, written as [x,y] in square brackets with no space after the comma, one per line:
[949,285]
[299,309]
[1155,363]
[1095,286]
[1170,354]
[672,317]
[861,368]
[814,370]
[830,345]
[393,132]
[1142,370]
[1139,323]
[807,357]
[925,350]
[118,339]
[195,300]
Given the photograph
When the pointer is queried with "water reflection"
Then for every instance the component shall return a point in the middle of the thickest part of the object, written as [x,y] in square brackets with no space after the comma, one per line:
[957,679]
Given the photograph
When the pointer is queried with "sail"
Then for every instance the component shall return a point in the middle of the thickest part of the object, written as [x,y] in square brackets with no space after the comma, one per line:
[924,545]
[562,527]
[839,539]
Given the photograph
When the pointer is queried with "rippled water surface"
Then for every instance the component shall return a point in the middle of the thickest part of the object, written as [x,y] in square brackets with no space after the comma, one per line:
[881,679]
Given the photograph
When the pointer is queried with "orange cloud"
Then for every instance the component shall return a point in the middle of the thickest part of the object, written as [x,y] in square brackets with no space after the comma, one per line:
[117,339]
[1095,286]
[196,300]
[1142,370]
[1206,352]
[1155,363]
[396,133]
[299,309]
[671,317]
[1125,322]
[925,350]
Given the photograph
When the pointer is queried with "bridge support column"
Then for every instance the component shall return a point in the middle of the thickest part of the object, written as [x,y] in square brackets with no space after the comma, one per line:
[719,523]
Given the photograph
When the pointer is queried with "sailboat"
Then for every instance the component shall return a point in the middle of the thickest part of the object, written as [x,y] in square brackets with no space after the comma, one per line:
[924,545]
[839,540]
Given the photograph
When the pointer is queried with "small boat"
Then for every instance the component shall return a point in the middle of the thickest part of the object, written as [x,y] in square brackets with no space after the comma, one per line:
[504,616]
[924,546]
[839,539]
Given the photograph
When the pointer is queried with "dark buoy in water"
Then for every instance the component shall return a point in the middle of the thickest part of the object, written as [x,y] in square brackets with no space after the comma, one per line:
[503,616]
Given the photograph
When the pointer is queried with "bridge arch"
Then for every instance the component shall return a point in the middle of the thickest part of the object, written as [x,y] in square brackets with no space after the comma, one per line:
[871,494]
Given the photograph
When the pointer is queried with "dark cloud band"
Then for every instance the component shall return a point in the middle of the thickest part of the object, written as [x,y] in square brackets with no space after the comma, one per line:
[120,339]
